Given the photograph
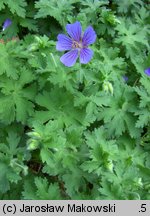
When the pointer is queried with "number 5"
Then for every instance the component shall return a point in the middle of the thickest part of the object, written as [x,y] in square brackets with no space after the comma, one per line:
[143,207]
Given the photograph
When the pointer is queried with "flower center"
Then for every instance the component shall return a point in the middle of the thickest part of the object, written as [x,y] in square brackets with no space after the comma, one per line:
[76,44]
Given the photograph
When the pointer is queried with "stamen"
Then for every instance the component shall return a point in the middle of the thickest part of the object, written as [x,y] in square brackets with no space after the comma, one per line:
[75,45]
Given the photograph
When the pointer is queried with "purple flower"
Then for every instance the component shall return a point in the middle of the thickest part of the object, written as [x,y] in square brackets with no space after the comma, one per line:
[147,71]
[76,43]
[6,24]
[125,78]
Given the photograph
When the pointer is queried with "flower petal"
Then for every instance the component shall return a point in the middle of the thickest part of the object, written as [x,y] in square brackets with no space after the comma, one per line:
[69,58]
[7,23]
[74,30]
[147,71]
[64,43]
[89,36]
[125,78]
[85,55]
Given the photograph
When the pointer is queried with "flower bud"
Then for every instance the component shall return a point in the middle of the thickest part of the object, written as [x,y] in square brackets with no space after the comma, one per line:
[109,165]
[6,24]
[25,170]
[34,134]
[33,47]
[33,144]
[107,87]
[110,87]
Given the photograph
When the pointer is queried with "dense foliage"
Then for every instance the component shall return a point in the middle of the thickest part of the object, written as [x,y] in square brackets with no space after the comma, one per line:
[80,132]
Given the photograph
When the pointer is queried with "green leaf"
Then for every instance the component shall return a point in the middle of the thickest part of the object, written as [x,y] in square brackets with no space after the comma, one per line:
[58,108]
[41,189]
[16,98]
[55,8]
[4,184]
[8,65]
[17,7]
